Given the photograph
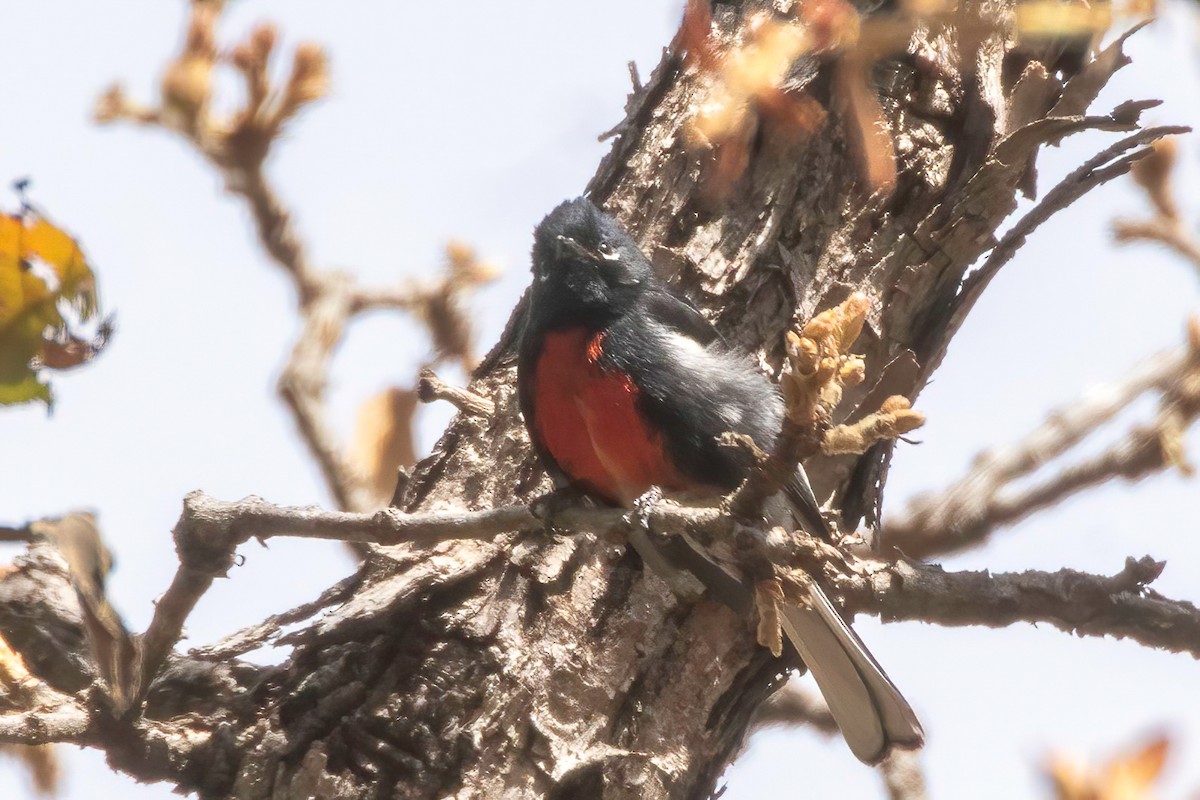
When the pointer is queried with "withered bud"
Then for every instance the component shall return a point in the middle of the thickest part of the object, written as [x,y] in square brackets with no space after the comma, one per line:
[262,41]
[187,85]
[840,326]
[310,74]
[804,353]
[894,418]
[201,41]
[242,56]
[1153,173]
[853,371]
[465,267]
[111,105]
[1172,440]
[853,317]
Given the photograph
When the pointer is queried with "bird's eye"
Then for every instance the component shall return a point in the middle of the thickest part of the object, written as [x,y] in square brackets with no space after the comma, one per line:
[607,252]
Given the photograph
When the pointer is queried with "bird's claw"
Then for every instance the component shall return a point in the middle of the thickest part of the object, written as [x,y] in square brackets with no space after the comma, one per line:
[644,506]
[551,504]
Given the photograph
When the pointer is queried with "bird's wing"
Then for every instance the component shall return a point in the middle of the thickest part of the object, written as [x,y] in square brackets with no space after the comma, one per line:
[680,316]
[800,492]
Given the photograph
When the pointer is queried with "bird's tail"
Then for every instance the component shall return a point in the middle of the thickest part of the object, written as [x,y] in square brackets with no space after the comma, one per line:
[869,709]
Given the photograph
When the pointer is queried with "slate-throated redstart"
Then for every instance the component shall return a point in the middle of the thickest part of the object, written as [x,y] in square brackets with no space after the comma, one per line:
[625,386]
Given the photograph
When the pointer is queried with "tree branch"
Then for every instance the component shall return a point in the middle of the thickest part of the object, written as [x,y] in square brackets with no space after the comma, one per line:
[965,513]
[210,530]
[793,706]
[430,388]
[1170,232]
[1109,163]
[1076,602]
[66,722]
[903,777]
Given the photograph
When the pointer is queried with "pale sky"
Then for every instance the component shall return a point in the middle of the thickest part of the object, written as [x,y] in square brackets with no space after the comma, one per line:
[471,120]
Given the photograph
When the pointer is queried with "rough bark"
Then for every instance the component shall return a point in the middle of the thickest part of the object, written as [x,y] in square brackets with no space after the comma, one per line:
[535,665]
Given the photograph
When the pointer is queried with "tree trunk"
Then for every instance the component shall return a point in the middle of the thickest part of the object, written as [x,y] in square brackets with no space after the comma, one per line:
[548,666]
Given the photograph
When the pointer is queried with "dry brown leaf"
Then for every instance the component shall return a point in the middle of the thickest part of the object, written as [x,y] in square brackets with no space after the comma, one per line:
[187,81]
[694,35]
[383,441]
[65,350]
[1058,19]
[41,762]
[768,595]
[833,24]
[442,308]
[866,124]
[1129,776]
[1153,173]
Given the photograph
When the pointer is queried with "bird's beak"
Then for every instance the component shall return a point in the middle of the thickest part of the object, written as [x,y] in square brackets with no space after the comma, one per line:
[572,246]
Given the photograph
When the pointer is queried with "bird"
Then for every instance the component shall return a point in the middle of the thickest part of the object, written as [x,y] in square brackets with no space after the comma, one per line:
[625,386]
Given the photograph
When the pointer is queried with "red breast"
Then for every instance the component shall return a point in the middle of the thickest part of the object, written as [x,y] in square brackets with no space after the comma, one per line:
[587,417]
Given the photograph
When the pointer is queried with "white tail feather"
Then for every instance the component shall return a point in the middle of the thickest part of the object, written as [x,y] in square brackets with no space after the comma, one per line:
[870,711]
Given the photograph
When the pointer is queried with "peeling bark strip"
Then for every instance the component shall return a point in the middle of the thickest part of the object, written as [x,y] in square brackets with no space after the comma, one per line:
[558,667]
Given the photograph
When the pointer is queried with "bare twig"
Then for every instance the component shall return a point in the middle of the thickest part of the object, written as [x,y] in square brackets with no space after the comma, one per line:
[792,705]
[64,722]
[303,381]
[15,533]
[1076,602]
[209,531]
[1109,163]
[903,778]
[1154,174]
[1171,232]
[264,633]
[965,513]
[430,388]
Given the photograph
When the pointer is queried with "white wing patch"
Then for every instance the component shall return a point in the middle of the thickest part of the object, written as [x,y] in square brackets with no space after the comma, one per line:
[696,359]
[687,348]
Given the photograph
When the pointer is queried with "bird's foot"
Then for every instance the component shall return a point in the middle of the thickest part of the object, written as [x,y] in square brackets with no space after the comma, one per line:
[644,506]
[550,505]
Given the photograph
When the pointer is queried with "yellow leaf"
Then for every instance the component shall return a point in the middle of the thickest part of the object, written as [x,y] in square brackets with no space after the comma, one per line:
[62,254]
[1055,18]
[1129,776]
[42,270]
[1132,777]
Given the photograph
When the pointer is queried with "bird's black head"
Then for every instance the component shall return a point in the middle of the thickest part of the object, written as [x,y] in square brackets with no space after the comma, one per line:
[585,265]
